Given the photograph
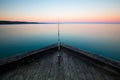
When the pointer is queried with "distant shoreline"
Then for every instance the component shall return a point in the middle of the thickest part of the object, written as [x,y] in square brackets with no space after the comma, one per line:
[22,22]
[17,22]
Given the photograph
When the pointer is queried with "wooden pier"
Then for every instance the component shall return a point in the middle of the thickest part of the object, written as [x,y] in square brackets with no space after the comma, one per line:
[73,64]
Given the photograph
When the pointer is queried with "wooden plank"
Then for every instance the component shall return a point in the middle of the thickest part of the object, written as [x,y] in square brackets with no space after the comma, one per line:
[107,63]
[67,72]
[87,71]
[72,67]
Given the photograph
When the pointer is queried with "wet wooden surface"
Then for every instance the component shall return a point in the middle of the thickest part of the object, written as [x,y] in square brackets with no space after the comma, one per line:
[47,68]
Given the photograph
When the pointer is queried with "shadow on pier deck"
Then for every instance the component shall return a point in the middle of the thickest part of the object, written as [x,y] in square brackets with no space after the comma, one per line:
[74,65]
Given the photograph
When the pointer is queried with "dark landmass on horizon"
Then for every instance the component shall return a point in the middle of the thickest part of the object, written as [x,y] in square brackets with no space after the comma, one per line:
[25,22]
[17,22]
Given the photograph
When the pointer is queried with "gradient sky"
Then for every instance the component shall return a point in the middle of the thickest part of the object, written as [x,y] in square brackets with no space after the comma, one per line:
[67,10]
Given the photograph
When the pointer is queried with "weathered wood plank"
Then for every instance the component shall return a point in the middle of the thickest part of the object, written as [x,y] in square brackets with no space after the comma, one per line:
[72,67]
[90,71]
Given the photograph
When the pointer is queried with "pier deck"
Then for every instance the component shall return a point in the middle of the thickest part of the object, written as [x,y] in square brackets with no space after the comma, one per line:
[46,67]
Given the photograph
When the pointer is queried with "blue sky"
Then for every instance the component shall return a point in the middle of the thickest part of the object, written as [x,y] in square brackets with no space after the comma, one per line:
[67,10]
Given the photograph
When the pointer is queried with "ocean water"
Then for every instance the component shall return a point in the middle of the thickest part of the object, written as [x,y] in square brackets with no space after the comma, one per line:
[101,39]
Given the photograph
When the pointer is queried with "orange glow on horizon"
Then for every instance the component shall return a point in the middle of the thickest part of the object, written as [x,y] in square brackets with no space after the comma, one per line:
[67,10]
[63,19]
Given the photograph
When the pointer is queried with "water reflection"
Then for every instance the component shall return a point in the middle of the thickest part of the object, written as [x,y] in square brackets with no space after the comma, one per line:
[102,39]
[16,39]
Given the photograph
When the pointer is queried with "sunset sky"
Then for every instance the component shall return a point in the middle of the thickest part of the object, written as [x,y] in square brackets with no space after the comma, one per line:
[67,10]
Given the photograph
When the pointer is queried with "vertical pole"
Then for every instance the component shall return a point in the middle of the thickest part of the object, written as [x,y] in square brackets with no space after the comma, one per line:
[58,36]
[58,44]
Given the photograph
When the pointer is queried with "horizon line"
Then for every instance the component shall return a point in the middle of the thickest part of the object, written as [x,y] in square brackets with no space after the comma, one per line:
[65,22]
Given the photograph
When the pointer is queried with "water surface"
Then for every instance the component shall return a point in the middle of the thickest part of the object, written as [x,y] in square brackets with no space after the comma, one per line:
[17,39]
[101,39]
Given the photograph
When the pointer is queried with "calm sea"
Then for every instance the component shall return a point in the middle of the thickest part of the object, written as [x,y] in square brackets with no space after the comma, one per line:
[101,39]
